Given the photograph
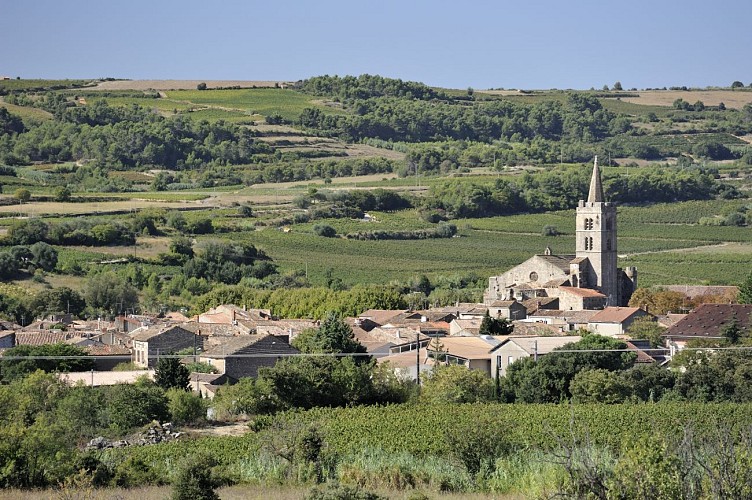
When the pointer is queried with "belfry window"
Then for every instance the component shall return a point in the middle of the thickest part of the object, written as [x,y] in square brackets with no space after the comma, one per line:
[588,224]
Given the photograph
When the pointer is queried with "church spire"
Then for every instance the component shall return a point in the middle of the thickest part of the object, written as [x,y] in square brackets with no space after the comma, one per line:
[596,188]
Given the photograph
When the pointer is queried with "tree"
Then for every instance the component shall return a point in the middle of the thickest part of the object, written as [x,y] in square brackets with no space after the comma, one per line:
[598,386]
[324,230]
[731,331]
[737,84]
[457,384]
[58,300]
[201,86]
[43,255]
[617,86]
[548,379]
[647,328]
[495,326]
[171,373]
[23,195]
[333,336]
[108,292]
[12,369]
[185,407]
[62,194]
[131,405]
[745,291]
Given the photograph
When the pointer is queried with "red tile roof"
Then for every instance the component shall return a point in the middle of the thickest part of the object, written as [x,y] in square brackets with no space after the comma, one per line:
[582,292]
[616,314]
[709,320]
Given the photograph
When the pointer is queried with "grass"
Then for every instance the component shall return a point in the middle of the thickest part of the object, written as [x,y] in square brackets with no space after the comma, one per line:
[24,84]
[26,112]
[266,101]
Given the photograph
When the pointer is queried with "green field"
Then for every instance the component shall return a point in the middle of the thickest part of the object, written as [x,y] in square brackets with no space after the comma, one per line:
[287,103]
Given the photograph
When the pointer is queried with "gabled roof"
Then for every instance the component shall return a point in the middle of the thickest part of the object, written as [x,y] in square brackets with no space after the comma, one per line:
[381,316]
[467,347]
[536,303]
[41,337]
[560,261]
[149,332]
[709,320]
[616,314]
[582,292]
[539,345]
[247,344]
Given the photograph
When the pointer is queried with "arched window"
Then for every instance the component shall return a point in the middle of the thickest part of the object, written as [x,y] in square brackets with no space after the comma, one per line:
[608,244]
[587,243]
[588,224]
[608,225]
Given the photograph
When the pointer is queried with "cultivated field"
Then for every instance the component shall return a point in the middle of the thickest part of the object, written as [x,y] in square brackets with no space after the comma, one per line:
[735,99]
[184,84]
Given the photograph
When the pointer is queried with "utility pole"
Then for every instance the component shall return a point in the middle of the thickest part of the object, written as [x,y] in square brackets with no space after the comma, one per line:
[417,359]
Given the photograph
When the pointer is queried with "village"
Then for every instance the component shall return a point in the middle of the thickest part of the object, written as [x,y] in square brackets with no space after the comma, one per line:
[531,310]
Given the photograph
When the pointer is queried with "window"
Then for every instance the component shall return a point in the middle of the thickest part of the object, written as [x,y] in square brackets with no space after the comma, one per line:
[608,225]
[533,276]
[608,244]
[588,224]
[510,360]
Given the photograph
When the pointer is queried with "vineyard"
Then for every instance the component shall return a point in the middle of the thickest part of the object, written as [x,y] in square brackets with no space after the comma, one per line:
[417,446]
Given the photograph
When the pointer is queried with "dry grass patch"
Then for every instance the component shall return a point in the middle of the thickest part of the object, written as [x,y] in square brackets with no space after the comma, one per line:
[731,98]
[59,208]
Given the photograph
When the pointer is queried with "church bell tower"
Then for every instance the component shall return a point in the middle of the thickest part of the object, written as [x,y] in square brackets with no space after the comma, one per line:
[596,239]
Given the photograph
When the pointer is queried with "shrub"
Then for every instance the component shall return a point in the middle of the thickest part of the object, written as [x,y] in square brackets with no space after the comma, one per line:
[550,231]
[195,480]
[324,230]
[185,407]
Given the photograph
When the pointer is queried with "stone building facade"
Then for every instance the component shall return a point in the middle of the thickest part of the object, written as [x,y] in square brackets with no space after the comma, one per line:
[593,267]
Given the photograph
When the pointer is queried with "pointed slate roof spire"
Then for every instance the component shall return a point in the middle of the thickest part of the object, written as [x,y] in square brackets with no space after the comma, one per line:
[596,188]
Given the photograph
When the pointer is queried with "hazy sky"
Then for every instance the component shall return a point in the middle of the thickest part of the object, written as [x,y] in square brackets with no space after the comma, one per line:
[481,44]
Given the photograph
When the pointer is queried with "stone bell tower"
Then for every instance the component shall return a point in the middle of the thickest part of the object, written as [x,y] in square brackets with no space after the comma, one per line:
[596,240]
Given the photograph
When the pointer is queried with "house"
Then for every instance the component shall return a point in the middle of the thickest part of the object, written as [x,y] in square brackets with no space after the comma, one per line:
[510,309]
[107,357]
[408,364]
[614,321]
[127,324]
[708,321]
[238,357]
[230,314]
[42,337]
[465,327]
[7,339]
[151,341]
[565,321]
[514,348]
[578,299]
[471,352]
[383,341]
[536,303]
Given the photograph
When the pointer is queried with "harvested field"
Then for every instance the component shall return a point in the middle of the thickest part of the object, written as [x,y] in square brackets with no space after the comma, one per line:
[58,208]
[184,84]
[735,99]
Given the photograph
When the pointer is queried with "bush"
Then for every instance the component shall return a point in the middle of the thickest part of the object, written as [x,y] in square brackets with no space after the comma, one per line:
[186,407]
[550,231]
[195,480]
[324,230]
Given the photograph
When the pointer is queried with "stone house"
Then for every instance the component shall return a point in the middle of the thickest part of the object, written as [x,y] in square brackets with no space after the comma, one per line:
[150,342]
[613,321]
[238,357]
[514,348]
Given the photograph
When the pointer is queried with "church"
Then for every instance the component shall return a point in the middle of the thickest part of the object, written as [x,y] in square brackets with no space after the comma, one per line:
[587,280]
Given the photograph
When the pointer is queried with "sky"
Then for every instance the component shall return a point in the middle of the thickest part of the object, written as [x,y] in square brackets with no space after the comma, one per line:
[523,44]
